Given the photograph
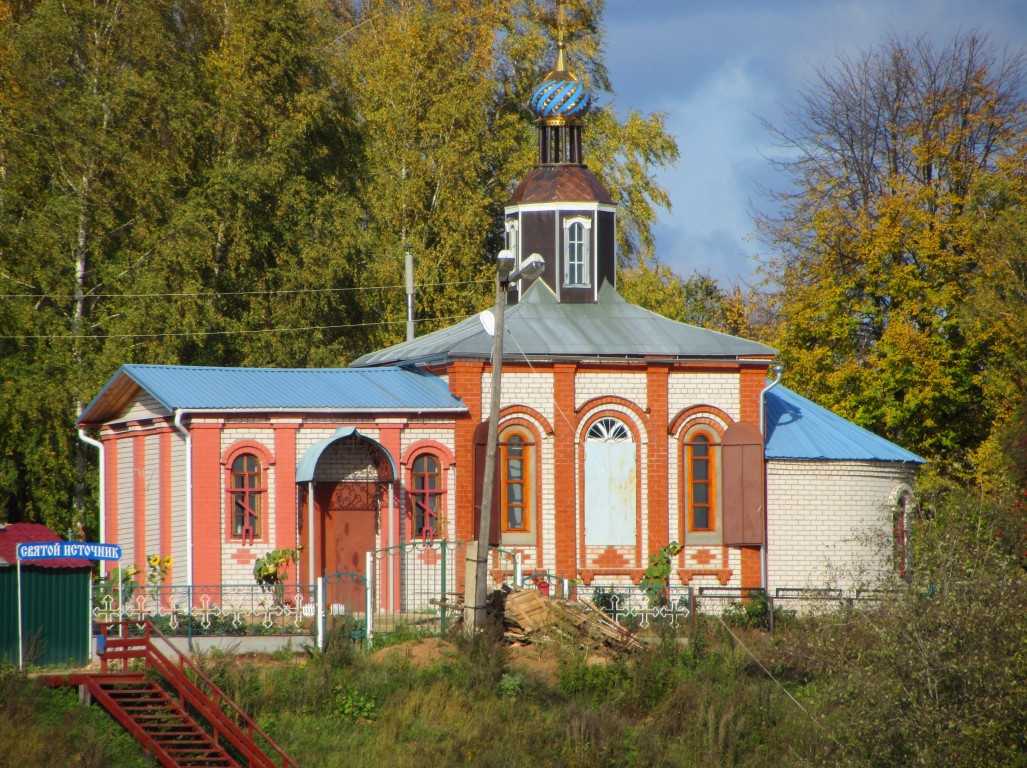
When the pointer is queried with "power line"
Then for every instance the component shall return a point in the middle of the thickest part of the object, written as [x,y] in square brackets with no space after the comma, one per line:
[58,296]
[38,337]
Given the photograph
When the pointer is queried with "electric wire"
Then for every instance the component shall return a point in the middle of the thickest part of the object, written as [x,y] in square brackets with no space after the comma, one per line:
[780,685]
[240,332]
[217,294]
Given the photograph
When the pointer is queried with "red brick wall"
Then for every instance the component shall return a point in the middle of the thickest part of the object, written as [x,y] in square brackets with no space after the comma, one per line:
[110,470]
[465,383]
[659,473]
[751,382]
[751,576]
[139,474]
[164,469]
[285,490]
[207,531]
[564,470]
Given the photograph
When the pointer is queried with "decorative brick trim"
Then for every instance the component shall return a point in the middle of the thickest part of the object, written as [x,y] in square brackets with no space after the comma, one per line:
[609,558]
[244,556]
[700,414]
[588,575]
[247,446]
[586,411]
[428,446]
[514,410]
[723,575]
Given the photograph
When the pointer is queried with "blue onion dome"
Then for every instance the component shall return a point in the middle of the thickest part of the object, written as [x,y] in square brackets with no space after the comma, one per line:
[561,97]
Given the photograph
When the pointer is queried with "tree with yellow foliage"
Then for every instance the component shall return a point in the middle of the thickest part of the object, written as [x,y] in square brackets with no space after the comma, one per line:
[881,246]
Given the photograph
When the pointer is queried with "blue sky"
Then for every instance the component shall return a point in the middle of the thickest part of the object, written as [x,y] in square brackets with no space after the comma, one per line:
[716,67]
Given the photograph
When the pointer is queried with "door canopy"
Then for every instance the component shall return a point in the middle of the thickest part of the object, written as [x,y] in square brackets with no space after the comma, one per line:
[382,460]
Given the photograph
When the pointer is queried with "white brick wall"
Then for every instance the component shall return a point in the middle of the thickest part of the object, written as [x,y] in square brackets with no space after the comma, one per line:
[589,385]
[721,390]
[826,519]
[179,505]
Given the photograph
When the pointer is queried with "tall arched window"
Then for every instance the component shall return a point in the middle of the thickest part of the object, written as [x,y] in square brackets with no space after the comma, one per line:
[610,485]
[517,454]
[903,531]
[701,486]
[247,494]
[425,495]
[576,251]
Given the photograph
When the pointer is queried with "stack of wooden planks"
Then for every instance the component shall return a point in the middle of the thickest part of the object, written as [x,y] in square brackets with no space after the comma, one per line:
[528,614]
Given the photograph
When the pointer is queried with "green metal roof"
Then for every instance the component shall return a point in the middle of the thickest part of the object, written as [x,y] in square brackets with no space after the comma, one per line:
[541,327]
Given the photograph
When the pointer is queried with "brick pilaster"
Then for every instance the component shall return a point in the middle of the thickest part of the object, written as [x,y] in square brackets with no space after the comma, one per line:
[110,471]
[285,490]
[465,383]
[164,503]
[564,472]
[139,503]
[751,382]
[207,530]
[658,469]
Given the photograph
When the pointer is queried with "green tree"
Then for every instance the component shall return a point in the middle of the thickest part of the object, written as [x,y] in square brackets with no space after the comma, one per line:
[880,242]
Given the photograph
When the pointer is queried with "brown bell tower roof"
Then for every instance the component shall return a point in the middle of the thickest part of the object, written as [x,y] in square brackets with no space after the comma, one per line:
[562,183]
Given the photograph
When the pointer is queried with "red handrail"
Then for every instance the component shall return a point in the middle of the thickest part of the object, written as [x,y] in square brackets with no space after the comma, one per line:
[208,703]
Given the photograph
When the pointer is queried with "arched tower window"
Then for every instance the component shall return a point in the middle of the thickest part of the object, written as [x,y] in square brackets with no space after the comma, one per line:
[576,251]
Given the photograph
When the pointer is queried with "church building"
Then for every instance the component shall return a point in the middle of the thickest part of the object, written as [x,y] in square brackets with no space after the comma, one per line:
[619,431]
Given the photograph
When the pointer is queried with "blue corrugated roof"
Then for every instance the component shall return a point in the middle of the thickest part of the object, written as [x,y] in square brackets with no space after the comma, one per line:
[343,389]
[798,428]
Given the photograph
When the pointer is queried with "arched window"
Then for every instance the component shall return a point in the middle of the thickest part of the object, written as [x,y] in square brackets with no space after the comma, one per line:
[426,491]
[700,476]
[611,493]
[576,251]
[247,492]
[517,454]
[903,522]
[511,235]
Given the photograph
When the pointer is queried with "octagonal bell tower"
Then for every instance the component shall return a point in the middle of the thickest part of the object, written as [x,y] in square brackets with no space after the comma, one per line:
[561,210]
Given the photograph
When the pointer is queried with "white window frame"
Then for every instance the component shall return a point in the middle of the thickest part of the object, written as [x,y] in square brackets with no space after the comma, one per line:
[569,266]
[512,229]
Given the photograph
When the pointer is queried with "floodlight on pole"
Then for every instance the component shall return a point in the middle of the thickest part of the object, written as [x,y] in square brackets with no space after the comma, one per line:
[532,267]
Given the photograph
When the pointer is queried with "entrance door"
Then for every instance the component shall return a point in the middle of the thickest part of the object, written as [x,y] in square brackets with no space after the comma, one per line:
[349,515]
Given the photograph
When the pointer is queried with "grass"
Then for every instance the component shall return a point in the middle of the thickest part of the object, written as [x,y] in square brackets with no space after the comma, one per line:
[43,727]
[685,702]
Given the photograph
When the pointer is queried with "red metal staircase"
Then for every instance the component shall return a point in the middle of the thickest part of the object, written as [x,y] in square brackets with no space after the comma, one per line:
[170,706]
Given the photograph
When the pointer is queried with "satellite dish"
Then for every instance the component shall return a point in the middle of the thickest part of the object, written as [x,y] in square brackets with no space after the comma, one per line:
[488,321]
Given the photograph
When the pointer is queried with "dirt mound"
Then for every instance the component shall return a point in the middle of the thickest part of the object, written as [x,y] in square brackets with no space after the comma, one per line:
[418,653]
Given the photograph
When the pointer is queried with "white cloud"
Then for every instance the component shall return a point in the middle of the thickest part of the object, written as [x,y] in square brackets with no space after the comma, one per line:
[715,68]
